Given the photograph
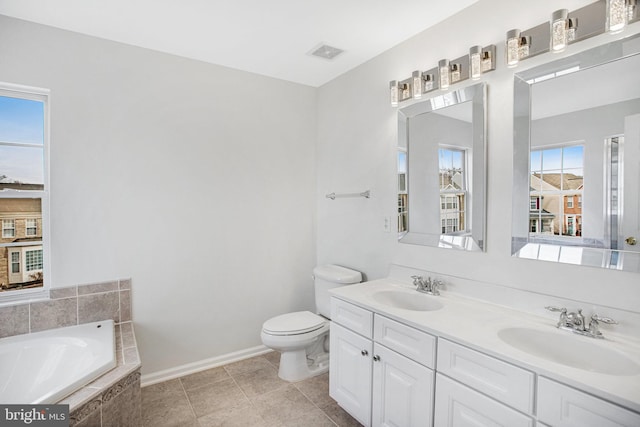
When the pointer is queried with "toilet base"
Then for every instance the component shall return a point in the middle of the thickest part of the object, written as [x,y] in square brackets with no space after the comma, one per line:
[295,366]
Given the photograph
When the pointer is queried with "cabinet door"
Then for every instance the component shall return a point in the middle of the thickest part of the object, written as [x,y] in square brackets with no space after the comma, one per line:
[459,406]
[350,372]
[402,391]
[563,406]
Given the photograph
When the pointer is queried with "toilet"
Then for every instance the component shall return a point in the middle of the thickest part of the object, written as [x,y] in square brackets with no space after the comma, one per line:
[302,337]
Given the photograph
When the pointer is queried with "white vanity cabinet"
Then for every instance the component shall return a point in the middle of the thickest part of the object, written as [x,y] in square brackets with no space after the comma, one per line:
[563,406]
[378,384]
[386,373]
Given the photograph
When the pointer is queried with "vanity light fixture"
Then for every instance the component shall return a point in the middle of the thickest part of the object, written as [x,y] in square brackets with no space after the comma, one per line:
[488,59]
[616,15]
[393,90]
[572,26]
[524,47]
[428,82]
[455,72]
[559,28]
[475,62]
[416,86]
[444,74]
[513,48]
[632,5]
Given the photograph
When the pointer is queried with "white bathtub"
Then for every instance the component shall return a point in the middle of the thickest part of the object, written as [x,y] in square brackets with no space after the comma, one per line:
[44,367]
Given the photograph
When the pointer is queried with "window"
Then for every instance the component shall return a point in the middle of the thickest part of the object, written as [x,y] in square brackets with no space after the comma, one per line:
[453,189]
[570,202]
[534,203]
[15,262]
[34,260]
[403,219]
[24,196]
[557,179]
[31,227]
[8,228]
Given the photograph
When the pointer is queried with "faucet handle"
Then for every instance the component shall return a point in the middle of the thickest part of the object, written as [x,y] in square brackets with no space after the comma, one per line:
[556,309]
[435,285]
[607,320]
[417,280]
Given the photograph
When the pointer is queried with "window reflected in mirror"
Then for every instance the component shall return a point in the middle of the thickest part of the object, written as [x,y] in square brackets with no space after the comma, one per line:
[557,183]
[403,221]
[452,180]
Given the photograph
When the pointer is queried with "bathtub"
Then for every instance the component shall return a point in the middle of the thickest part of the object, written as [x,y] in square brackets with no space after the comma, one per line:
[44,367]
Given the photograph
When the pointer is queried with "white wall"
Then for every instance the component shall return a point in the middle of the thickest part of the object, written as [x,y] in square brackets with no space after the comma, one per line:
[195,180]
[357,150]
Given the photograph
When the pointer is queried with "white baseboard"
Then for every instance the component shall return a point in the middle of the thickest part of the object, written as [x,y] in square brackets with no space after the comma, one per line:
[201,365]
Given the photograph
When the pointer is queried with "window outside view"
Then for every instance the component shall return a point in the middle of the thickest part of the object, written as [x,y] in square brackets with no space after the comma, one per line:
[556,188]
[452,190]
[403,220]
[22,187]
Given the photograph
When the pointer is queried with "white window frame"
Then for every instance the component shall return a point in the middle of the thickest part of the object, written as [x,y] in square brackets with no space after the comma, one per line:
[570,202]
[42,95]
[14,262]
[562,193]
[8,225]
[34,227]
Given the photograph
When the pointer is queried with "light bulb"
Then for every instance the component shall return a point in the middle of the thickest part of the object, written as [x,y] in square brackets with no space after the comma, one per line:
[513,44]
[559,27]
[417,84]
[393,89]
[616,15]
[443,72]
[475,62]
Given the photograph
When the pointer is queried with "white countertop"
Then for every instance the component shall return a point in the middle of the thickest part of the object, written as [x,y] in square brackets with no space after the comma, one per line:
[476,324]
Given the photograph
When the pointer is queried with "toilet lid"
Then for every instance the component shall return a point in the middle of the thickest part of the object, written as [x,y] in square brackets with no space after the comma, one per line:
[299,322]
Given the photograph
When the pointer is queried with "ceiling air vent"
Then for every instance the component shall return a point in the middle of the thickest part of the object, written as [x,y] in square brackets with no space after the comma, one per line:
[326,51]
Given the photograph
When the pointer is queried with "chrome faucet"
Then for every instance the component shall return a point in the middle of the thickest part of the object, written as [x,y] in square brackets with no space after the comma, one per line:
[427,286]
[575,322]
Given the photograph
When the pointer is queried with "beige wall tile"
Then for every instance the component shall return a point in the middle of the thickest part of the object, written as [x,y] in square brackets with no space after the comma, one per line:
[51,314]
[14,320]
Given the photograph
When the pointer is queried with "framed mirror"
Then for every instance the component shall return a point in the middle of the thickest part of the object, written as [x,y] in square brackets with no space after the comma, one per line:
[442,170]
[577,159]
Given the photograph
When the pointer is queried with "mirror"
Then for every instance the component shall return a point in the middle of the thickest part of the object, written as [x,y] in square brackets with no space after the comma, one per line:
[577,159]
[441,170]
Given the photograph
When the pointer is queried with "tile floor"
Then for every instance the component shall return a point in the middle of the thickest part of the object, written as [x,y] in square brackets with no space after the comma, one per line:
[248,393]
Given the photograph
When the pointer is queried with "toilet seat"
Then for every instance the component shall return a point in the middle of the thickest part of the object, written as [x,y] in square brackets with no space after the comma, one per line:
[296,323]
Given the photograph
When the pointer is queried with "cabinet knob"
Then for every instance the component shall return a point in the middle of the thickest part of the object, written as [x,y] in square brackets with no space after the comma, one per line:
[376,358]
[631,241]
[364,352]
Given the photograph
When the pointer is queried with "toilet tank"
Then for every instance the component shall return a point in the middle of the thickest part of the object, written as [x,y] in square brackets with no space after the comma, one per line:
[328,277]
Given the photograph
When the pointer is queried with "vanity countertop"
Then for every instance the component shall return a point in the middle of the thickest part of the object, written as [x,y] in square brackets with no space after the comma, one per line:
[476,324]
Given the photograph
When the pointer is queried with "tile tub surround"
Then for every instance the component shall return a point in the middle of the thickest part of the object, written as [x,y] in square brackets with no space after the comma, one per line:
[247,393]
[69,306]
[114,398]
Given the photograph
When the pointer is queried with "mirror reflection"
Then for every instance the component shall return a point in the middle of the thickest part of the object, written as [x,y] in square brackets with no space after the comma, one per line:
[441,170]
[577,134]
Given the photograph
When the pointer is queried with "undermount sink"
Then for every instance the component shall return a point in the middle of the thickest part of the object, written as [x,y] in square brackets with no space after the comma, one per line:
[412,300]
[569,350]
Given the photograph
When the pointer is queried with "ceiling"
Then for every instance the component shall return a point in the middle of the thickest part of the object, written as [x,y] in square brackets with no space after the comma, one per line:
[268,37]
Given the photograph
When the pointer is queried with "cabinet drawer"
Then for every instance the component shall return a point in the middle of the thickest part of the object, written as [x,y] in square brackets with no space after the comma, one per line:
[408,341]
[352,317]
[563,406]
[458,405]
[495,378]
